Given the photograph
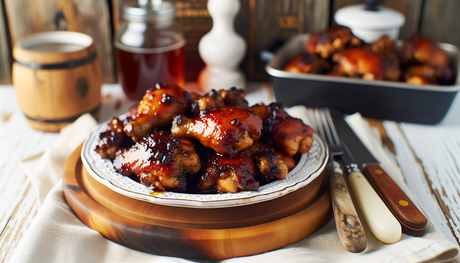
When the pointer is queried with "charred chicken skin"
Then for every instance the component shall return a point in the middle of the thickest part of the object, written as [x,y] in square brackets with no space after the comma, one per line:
[228,174]
[288,134]
[270,163]
[331,41]
[215,99]
[111,139]
[159,160]
[157,108]
[114,137]
[227,130]
[367,64]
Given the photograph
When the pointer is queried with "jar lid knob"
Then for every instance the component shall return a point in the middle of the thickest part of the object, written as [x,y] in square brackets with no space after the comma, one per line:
[154,4]
[372,5]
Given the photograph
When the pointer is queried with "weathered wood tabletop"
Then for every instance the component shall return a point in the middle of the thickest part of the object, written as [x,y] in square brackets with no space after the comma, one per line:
[429,160]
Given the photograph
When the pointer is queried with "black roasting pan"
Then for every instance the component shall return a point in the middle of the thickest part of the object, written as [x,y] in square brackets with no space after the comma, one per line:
[424,104]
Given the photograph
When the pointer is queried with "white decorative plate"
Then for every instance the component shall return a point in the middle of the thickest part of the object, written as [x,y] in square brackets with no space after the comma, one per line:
[310,166]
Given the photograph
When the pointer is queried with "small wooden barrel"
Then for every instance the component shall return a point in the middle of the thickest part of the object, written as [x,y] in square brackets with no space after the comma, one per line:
[57,77]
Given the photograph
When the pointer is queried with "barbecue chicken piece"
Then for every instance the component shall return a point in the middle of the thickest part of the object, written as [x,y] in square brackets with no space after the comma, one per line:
[234,97]
[227,130]
[157,108]
[432,74]
[216,99]
[283,131]
[367,64]
[206,102]
[308,63]
[423,51]
[270,163]
[159,160]
[419,80]
[110,140]
[228,174]
[113,137]
[384,45]
[331,41]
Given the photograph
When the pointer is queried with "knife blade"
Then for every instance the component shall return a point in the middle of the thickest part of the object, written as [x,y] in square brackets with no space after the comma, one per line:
[411,218]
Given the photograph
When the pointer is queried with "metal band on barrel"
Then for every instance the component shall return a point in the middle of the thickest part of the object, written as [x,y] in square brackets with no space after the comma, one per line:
[63,65]
[70,119]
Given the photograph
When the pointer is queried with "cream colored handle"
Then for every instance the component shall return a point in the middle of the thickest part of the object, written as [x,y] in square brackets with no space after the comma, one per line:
[378,217]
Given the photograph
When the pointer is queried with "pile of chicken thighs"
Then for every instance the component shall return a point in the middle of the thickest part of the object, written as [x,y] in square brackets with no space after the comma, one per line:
[337,52]
[178,141]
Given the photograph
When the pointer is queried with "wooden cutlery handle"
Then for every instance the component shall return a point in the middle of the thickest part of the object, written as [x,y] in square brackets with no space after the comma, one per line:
[410,217]
[378,217]
[349,227]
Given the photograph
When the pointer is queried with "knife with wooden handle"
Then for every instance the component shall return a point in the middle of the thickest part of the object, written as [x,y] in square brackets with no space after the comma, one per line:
[349,227]
[411,218]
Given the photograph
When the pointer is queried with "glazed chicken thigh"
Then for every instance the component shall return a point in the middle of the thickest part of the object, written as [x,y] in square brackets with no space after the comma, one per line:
[367,64]
[227,130]
[159,160]
[419,49]
[331,41]
[229,174]
[308,63]
[288,134]
[157,108]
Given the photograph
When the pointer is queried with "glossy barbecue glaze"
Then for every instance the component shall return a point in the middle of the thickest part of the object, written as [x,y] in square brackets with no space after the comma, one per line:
[227,130]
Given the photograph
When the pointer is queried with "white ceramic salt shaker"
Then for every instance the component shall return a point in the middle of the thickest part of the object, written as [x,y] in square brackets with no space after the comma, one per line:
[222,49]
[369,22]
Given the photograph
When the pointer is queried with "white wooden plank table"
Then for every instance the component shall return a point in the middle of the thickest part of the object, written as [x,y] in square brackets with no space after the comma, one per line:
[433,177]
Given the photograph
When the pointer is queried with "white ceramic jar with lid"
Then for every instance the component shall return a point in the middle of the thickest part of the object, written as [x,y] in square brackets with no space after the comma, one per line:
[369,21]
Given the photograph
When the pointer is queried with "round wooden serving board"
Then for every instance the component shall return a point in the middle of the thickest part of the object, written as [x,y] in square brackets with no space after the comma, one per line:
[195,233]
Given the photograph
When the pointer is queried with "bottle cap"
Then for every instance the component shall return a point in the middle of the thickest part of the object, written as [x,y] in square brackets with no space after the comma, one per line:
[147,10]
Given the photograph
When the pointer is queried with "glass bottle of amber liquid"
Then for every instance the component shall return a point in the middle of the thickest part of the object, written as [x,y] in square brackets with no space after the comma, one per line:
[149,47]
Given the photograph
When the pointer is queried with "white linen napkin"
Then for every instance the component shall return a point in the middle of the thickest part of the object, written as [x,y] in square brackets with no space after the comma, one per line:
[56,235]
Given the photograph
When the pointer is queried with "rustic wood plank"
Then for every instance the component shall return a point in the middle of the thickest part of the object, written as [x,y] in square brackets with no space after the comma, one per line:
[441,22]
[18,223]
[429,170]
[5,51]
[19,198]
[411,9]
[91,17]
[271,19]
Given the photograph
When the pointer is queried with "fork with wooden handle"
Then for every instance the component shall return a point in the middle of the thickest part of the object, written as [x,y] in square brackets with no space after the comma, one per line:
[349,227]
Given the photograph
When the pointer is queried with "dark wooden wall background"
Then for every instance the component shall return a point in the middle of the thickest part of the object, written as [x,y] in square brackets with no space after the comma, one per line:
[259,22]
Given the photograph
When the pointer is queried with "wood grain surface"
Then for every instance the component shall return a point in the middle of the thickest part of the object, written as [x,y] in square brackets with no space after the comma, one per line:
[348,224]
[271,19]
[440,21]
[54,98]
[91,17]
[5,54]
[194,233]
[19,198]
[413,222]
